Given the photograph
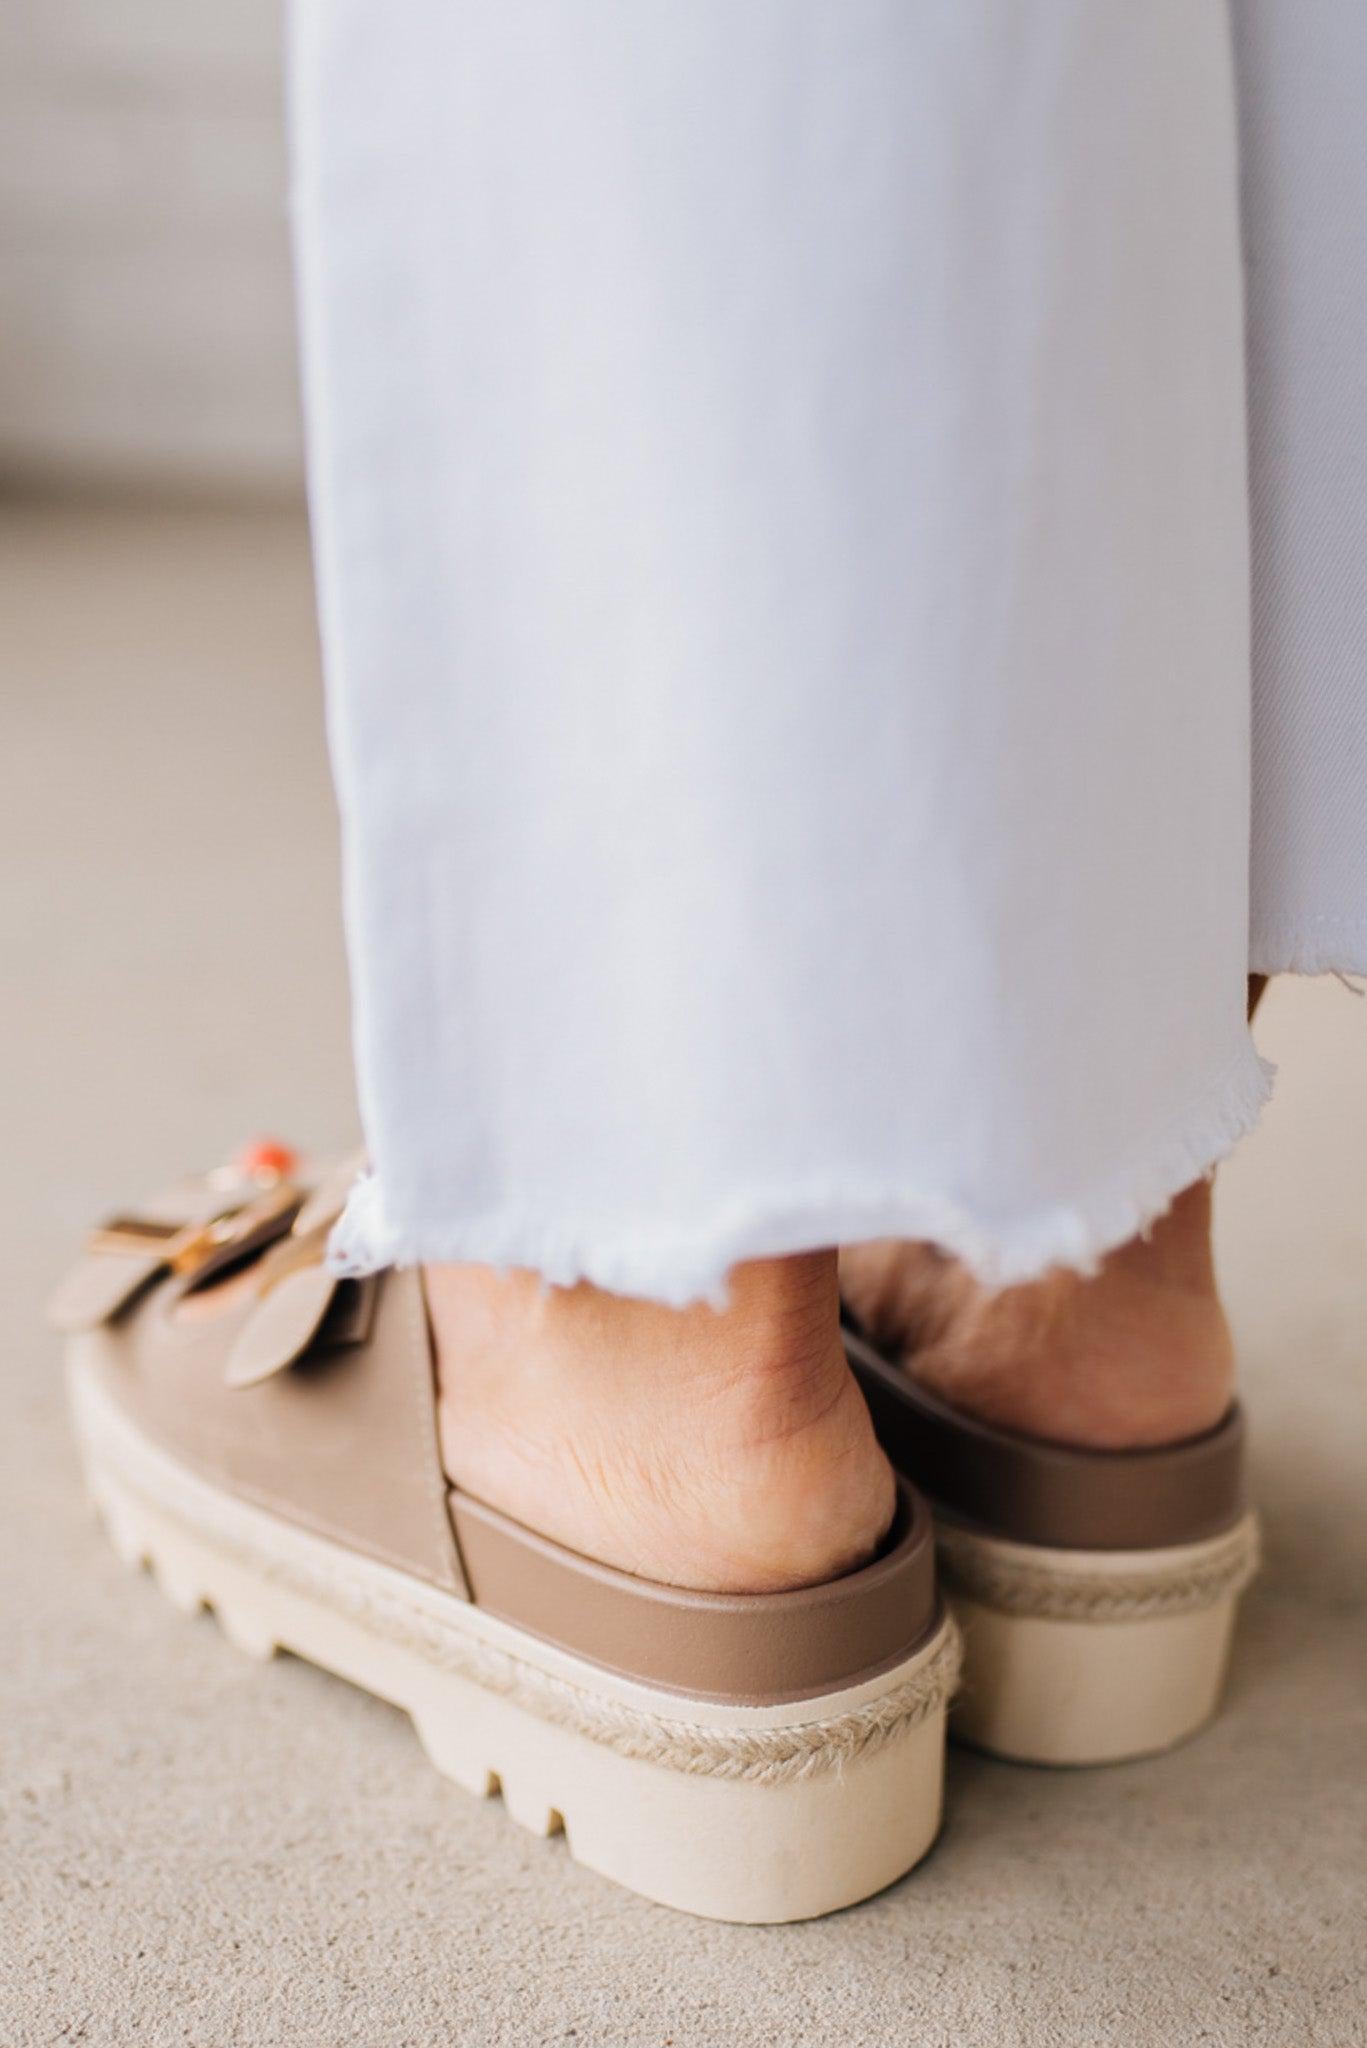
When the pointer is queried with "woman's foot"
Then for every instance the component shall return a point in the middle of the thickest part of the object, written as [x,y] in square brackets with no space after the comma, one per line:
[1140,1353]
[723,1451]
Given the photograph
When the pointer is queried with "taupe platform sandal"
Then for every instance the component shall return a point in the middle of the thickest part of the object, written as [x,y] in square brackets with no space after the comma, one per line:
[762,1758]
[1096,1590]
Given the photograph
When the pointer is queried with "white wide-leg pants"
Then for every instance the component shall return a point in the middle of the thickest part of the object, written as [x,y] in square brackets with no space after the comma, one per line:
[781,473]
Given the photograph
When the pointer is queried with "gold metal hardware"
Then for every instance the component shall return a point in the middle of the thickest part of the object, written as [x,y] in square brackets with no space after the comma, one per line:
[186,1247]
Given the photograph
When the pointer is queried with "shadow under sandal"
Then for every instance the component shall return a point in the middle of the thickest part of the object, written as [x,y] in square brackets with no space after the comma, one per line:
[1096,1590]
[754,1758]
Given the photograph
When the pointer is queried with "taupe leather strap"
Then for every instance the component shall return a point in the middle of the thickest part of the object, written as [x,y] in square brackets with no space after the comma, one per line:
[1053,1494]
[204,1220]
[751,1647]
[344,1442]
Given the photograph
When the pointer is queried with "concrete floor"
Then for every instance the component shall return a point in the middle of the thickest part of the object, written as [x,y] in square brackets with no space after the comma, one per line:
[199,1851]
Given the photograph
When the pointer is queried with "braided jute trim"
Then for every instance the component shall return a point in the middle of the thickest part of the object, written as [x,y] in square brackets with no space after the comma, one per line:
[786,1754]
[1017,1585]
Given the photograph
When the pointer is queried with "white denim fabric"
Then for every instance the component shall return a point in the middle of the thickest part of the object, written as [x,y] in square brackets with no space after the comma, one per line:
[1304,131]
[780,472]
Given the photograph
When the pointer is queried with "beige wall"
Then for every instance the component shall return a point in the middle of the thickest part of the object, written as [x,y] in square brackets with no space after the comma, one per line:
[145,319]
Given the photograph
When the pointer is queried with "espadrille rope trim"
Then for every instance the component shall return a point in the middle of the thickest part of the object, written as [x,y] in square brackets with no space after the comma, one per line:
[761,1756]
[983,1571]
[778,1755]
[757,1756]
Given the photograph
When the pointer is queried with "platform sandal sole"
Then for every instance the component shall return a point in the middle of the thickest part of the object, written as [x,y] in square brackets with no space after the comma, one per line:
[761,1814]
[1091,1657]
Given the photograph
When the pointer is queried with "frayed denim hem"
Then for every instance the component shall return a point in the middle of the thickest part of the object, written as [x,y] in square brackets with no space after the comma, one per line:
[677,1266]
[1317,945]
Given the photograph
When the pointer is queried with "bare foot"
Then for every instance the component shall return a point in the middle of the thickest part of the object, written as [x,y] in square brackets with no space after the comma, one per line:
[1138,1354]
[729,1452]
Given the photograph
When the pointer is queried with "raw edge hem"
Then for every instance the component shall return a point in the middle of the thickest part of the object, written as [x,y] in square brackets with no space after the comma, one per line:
[677,1268]
[1319,945]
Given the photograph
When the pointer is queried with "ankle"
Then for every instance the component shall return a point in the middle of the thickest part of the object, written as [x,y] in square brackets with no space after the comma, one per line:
[722,1450]
[1138,1354]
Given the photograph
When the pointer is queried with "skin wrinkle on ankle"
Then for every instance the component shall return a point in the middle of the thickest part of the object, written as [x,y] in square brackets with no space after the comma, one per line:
[1138,1355]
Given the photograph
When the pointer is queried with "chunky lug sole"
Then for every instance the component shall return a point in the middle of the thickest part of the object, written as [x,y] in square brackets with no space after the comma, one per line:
[735,1813]
[1091,1657]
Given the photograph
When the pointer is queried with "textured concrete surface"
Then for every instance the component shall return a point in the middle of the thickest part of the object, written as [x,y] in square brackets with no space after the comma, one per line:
[196,1850]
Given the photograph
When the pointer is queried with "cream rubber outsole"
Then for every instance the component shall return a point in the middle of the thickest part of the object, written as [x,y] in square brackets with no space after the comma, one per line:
[735,1813]
[1091,1657]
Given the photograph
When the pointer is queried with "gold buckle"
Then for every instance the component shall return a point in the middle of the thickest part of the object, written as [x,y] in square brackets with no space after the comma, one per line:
[186,1247]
